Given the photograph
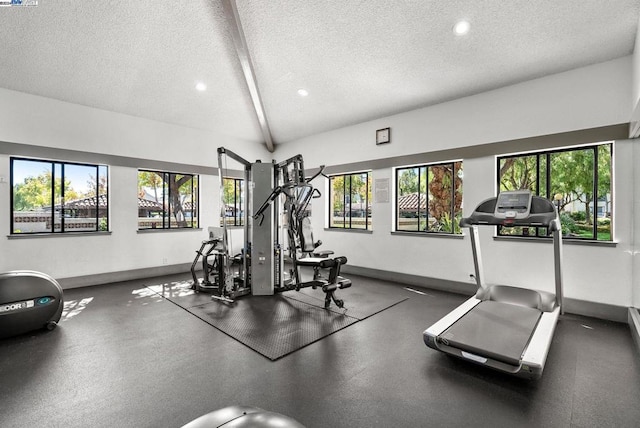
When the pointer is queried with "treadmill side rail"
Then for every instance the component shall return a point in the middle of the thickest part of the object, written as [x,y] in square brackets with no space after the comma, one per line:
[430,334]
[535,354]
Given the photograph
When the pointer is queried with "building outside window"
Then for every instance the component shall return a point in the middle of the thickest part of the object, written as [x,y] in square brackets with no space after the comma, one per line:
[233,202]
[167,200]
[58,197]
[350,201]
[429,198]
[579,182]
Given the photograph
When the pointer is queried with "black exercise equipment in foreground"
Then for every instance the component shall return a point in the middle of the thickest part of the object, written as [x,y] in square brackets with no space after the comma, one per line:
[503,327]
[29,300]
[277,204]
[213,259]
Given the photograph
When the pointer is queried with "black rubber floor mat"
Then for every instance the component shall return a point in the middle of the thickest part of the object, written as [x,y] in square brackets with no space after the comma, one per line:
[274,326]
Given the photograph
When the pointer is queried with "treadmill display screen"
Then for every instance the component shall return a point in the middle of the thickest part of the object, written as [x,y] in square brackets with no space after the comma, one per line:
[513,201]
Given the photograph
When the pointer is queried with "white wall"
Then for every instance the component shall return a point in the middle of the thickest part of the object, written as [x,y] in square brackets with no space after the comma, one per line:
[32,120]
[589,97]
[635,106]
[40,121]
[584,98]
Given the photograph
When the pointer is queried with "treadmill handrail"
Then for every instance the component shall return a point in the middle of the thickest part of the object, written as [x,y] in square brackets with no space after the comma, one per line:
[484,215]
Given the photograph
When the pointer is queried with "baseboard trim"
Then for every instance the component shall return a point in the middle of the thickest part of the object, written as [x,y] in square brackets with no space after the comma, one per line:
[120,276]
[596,310]
[634,326]
[408,279]
[574,306]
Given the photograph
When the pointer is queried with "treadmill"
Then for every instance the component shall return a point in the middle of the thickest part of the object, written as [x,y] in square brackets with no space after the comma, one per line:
[504,327]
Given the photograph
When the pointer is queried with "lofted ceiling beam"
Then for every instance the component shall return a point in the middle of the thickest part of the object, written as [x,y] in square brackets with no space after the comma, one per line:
[237,34]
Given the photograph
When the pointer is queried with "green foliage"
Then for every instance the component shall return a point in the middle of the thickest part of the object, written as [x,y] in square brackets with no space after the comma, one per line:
[579,216]
[150,180]
[360,186]
[231,191]
[408,180]
[35,192]
[337,193]
[568,223]
[437,184]
[445,224]
[571,174]
[518,173]
[102,226]
[176,189]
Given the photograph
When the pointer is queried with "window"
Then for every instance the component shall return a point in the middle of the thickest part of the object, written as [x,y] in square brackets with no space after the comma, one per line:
[58,197]
[350,201]
[167,200]
[429,198]
[233,201]
[577,180]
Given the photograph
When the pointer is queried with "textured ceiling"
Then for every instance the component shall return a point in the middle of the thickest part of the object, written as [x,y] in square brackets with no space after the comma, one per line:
[359,60]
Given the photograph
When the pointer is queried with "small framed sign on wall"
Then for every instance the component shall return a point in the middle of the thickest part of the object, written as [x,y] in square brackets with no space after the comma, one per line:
[383,136]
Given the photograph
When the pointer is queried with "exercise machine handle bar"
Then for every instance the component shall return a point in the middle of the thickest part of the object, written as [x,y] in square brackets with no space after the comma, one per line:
[234,156]
[320,172]
[274,194]
[299,174]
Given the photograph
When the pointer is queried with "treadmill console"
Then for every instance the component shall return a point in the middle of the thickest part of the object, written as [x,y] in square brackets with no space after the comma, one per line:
[513,205]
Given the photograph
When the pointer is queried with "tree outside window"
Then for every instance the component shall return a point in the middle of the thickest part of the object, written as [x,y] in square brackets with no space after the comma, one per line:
[56,197]
[577,180]
[429,198]
[350,201]
[233,202]
[167,200]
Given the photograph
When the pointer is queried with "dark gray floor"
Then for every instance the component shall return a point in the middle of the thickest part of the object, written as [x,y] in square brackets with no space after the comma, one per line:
[278,325]
[129,358]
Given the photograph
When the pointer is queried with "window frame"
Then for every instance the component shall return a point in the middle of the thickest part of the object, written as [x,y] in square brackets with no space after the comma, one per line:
[166,213]
[55,166]
[238,187]
[547,155]
[368,224]
[452,211]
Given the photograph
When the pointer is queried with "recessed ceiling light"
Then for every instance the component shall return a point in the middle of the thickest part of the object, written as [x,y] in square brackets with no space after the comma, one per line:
[461,28]
[201,86]
[303,92]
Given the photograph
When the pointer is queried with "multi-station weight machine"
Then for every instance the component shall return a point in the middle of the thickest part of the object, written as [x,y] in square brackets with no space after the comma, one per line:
[277,196]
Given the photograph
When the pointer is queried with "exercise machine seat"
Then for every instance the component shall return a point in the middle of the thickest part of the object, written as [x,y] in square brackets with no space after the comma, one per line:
[243,416]
[307,244]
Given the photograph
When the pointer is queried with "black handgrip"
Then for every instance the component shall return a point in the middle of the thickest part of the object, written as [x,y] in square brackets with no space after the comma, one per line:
[328,263]
[342,260]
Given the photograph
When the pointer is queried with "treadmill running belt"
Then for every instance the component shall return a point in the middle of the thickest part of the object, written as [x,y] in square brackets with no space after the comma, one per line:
[495,330]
